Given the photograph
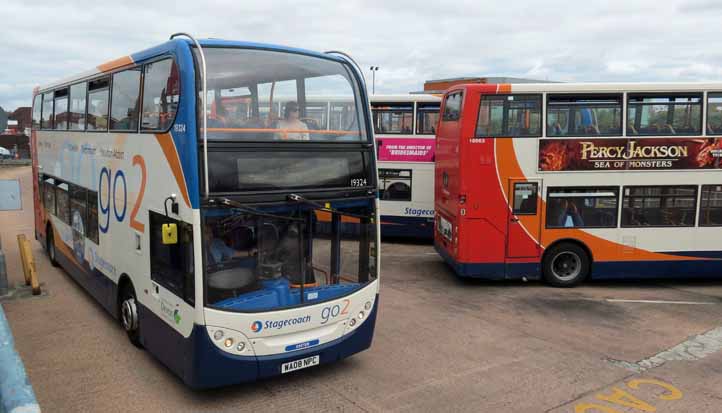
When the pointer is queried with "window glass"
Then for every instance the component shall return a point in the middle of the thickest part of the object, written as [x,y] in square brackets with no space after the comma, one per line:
[342,115]
[49,194]
[285,90]
[509,115]
[322,91]
[37,109]
[395,184]
[92,222]
[714,113]
[161,94]
[46,122]
[78,209]
[582,207]
[593,115]
[452,107]
[172,264]
[98,94]
[125,100]
[659,206]
[710,210]
[393,118]
[77,106]
[62,202]
[427,116]
[664,115]
[525,198]
[61,109]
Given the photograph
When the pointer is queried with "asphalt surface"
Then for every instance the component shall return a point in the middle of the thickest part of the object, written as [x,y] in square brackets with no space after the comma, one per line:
[441,344]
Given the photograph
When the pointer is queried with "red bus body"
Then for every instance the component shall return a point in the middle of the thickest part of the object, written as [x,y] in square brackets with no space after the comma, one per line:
[476,178]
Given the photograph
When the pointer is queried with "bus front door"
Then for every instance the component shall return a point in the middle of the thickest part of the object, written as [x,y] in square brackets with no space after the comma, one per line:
[524,223]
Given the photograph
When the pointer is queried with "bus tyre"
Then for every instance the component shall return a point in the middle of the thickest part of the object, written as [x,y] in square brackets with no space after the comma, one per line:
[129,319]
[50,247]
[566,265]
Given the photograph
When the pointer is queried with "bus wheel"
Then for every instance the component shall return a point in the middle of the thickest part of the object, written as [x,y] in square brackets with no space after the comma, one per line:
[566,265]
[50,246]
[129,315]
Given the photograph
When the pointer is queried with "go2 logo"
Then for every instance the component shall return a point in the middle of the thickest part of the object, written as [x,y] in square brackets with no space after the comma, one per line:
[115,191]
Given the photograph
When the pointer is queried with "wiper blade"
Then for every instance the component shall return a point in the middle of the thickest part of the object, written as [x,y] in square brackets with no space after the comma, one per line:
[301,200]
[231,204]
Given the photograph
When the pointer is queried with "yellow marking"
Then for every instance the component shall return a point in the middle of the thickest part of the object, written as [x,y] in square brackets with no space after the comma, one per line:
[623,398]
[328,205]
[585,407]
[674,393]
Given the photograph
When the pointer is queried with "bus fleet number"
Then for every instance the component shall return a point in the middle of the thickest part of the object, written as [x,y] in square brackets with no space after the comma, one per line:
[333,311]
[113,189]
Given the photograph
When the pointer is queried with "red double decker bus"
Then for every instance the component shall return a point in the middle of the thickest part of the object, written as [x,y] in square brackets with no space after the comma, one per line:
[570,181]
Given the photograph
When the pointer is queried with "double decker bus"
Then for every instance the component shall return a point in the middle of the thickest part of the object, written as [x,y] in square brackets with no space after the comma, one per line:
[570,181]
[405,128]
[231,244]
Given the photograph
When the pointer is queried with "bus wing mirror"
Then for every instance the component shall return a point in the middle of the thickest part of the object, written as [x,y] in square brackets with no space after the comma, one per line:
[170,234]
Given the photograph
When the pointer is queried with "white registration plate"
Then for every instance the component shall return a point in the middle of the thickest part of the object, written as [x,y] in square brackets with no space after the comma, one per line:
[299,364]
[445,227]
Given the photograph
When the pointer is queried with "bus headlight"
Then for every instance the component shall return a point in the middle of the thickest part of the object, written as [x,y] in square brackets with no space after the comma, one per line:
[352,322]
[361,315]
[218,334]
[367,305]
[228,342]
[241,346]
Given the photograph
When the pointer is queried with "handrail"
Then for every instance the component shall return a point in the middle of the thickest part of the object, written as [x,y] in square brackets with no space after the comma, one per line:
[203,104]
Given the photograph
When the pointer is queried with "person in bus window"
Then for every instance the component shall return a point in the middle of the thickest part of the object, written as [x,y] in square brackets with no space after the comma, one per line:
[218,251]
[291,126]
[569,215]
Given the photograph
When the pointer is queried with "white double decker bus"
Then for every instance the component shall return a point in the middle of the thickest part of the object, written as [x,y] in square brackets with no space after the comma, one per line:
[233,244]
[405,128]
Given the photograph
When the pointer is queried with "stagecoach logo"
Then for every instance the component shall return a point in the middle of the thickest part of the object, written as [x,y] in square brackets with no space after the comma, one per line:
[257,326]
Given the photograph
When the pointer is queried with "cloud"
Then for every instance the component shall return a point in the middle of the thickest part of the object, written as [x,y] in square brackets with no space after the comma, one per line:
[411,41]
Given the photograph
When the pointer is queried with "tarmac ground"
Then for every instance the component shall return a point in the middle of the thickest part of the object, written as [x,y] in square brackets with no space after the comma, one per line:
[441,344]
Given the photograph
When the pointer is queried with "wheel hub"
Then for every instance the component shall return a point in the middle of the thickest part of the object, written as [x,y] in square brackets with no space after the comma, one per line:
[129,314]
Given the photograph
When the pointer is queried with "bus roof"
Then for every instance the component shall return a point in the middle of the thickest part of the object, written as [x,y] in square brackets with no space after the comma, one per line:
[650,87]
[172,44]
[414,97]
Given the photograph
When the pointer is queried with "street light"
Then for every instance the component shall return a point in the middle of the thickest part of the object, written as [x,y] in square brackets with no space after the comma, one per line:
[373,69]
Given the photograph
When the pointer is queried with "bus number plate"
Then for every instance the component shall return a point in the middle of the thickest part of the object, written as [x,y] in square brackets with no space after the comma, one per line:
[299,364]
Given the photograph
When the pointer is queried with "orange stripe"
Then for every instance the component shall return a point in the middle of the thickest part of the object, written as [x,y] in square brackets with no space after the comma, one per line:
[115,64]
[166,143]
[325,216]
[263,130]
[602,249]
[504,88]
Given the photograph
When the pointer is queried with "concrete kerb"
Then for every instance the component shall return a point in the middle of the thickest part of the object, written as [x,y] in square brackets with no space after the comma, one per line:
[16,393]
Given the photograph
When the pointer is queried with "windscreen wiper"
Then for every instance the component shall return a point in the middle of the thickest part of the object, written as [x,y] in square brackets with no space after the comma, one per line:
[301,200]
[229,203]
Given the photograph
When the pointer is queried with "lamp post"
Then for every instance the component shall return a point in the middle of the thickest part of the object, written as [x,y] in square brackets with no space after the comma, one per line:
[373,69]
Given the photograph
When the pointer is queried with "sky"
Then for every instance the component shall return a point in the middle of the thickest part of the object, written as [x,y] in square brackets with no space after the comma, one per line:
[409,40]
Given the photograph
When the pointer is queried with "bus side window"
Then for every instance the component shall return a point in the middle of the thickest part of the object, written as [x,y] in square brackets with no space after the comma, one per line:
[161,93]
[452,107]
[171,265]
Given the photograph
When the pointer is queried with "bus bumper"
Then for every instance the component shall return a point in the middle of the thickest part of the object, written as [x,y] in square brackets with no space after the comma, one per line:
[487,271]
[211,367]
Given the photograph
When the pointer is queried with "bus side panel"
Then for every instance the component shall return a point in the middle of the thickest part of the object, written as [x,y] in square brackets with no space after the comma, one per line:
[97,284]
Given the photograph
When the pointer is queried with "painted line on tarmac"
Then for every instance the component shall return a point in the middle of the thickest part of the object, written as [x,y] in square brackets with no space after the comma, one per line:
[615,300]
[696,348]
